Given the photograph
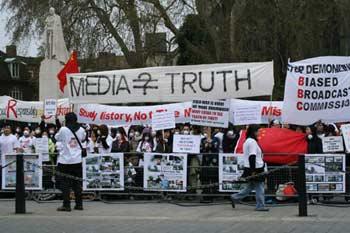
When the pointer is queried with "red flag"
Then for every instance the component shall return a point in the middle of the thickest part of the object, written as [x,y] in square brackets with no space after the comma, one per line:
[280,146]
[70,67]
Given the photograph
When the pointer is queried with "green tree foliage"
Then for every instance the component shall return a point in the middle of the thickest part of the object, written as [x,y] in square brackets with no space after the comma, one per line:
[205,31]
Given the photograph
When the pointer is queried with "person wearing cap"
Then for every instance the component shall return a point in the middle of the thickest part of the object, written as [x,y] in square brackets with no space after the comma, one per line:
[70,161]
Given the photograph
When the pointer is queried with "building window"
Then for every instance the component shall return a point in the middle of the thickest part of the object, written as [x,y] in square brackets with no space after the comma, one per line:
[16,93]
[14,70]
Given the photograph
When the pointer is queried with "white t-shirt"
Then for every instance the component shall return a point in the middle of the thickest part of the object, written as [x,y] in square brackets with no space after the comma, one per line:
[70,151]
[26,143]
[220,137]
[251,147]
[102,150]
[8,144]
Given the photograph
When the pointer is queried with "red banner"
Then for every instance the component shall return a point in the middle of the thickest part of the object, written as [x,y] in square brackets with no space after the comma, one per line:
[279,146]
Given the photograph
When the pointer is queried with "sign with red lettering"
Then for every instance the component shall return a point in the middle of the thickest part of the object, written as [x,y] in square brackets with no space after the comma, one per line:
[213,113]
[255,112]
[126,116]
[317,89]
[30,111]
[172,83]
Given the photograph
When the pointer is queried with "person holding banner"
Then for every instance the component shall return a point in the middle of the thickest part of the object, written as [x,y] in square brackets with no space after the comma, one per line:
[69,161]
[253,166]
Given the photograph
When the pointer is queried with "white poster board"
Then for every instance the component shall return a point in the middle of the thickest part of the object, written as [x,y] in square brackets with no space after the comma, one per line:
[186,143]
[332,144]
[345,129]
[163,120]
[103,172]
[231,168]
[325,173]
[50,107]
[165,172]
[41,146]
[33,172]
[212,113]
[247,114]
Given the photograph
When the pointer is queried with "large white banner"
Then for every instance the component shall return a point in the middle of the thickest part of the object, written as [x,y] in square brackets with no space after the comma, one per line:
[231,168]
[317,89]
[103,172]
[173,83]
[123,116]
[165,172]
[30,111]
[325,173]
[257,112]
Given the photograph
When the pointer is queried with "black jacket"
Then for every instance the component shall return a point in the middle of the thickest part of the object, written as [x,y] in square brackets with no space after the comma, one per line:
[120,147]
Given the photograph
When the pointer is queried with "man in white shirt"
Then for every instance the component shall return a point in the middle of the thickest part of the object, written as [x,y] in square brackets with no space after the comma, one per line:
[8,142]
[70,161]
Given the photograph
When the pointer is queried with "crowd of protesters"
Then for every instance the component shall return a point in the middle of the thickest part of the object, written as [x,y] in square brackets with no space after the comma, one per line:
[103,139]
[135,140]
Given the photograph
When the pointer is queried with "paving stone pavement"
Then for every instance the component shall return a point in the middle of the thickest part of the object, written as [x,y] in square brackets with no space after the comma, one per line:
[170,218]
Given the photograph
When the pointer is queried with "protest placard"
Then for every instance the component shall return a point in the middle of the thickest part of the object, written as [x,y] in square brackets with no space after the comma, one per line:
[210,113]
[50,107]
[41,146]
[163,120]
[186,143]
[268,110]
[332,144]
[246,115]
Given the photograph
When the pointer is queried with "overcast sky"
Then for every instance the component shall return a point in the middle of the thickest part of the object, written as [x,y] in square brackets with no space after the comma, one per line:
[27,48]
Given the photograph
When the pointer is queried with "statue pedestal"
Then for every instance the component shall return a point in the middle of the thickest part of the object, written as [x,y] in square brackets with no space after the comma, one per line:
[48,81]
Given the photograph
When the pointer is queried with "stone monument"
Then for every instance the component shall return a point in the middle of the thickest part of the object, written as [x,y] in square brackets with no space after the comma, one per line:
[56,55]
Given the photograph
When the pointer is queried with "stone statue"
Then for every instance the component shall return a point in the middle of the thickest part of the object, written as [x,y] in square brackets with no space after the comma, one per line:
[56,55]
[54,41]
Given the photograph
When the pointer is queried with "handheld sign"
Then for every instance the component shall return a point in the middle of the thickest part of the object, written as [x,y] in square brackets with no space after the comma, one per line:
[50,107]
[163,120]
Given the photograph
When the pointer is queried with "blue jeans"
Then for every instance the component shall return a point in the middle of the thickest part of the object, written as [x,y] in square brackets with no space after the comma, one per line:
[259,193]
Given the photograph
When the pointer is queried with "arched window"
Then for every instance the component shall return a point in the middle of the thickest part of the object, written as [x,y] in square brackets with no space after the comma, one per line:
[16,93]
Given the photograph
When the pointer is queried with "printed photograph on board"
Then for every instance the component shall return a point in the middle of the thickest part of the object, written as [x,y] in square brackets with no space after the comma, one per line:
[103,172]
[165,172]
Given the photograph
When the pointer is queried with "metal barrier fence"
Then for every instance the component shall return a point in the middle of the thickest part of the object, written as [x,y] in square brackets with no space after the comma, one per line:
[203,182]
[199,173]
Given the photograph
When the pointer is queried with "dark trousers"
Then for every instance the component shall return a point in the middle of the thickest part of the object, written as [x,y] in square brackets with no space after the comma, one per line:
[66,183]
